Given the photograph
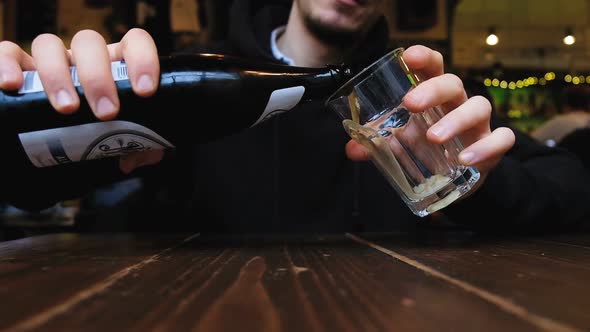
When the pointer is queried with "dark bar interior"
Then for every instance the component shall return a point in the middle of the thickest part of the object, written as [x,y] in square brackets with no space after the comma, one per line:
[268,165]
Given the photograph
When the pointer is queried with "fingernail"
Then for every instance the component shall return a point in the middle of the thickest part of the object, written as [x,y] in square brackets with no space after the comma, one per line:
[145,83]
[466,157]
[414,98]
[63,99]
[437,131]
[105,107]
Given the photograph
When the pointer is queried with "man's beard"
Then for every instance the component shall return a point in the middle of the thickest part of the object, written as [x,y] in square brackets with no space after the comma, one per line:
[340,38]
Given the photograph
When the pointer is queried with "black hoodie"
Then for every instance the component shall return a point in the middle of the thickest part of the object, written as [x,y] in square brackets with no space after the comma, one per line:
[290,173]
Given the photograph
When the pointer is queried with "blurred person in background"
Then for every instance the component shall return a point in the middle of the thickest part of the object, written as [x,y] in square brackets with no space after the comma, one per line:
[575,115]
[299,171]
[570,129]
[174,24]
[150,15]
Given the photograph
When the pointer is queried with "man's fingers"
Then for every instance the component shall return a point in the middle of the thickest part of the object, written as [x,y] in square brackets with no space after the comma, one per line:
[93,62]
[486,152]
[471,117]
[355,151]
[141,55]
[424,62]
[132,161]
[113,51]
[53,66]
[446,90]
[13,60]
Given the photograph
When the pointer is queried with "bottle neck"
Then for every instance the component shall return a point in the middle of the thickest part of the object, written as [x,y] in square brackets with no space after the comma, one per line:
[319,83]
[341,73]
[326,82]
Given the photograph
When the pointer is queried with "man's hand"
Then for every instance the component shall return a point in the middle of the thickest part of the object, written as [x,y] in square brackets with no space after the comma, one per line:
[92,57]
[469,119]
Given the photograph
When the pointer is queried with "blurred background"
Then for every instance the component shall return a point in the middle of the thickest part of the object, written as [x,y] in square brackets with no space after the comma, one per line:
[525,55]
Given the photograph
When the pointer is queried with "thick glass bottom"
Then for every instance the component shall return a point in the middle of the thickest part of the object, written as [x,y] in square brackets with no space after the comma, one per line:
[446,194]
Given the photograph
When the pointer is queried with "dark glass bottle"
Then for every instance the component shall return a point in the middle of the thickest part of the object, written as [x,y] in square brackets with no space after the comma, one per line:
[200,97]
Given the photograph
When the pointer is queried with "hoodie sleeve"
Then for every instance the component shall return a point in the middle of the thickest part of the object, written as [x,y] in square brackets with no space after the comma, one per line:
[534,188]
[34,189]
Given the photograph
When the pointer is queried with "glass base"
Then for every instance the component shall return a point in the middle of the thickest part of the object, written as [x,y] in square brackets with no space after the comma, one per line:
[447,194]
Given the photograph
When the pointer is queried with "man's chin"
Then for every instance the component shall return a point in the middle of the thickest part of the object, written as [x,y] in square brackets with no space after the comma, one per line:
[334,34]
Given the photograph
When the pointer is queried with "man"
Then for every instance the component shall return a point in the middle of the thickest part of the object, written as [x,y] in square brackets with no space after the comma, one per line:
[575,115]
[291,173]
[570,130]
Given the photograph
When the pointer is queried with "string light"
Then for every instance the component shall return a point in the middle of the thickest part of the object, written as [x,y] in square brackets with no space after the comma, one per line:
[532,80]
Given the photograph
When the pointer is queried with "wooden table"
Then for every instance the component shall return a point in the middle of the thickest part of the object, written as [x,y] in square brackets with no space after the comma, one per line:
[385,282]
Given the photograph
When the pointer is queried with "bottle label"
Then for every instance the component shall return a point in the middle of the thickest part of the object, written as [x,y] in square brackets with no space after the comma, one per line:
[32,81]
[280,101]
[89,141]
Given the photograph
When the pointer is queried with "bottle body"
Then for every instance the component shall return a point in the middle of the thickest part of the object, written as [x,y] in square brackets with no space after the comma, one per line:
[224,95]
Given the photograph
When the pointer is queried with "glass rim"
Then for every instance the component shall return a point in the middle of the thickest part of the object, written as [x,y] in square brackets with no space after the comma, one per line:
[396,54]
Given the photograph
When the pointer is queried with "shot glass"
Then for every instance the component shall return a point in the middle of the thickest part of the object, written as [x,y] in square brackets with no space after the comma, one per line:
[427,176]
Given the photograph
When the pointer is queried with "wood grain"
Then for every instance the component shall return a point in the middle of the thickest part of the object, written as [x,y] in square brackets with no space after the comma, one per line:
[227,284]
[41,274]
[442,282]
[546,278]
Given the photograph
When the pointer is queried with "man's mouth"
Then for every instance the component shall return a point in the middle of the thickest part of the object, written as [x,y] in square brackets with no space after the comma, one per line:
[354,3]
